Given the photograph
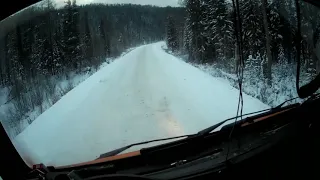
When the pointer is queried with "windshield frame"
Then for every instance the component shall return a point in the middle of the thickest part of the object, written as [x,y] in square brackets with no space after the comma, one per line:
[10,151]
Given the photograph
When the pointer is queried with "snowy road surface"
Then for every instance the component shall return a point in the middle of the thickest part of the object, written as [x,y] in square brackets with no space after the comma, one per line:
[144,95]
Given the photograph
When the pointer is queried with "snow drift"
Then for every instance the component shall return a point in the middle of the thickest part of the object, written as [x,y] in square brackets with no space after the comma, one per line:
[144,95]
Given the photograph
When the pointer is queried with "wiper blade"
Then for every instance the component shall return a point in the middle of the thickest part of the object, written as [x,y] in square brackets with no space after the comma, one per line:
[212,128]
[118,151]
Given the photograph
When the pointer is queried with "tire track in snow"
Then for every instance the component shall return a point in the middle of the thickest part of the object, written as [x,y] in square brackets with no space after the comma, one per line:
[159,94]
[154,100]
[168,122]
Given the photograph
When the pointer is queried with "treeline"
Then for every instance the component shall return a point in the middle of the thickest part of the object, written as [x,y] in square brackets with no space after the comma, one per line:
[269,34]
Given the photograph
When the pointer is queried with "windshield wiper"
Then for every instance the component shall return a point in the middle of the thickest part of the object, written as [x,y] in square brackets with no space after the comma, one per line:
[118,151]
[212,128]
[199,134]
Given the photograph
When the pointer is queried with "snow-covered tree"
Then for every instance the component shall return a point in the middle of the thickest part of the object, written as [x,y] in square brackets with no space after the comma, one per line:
[172,35]
[252,27]
[87,40]
[71,37]
[14,54]
[209,31]
[219,28]
[196,41]
[105,37]
[267,67]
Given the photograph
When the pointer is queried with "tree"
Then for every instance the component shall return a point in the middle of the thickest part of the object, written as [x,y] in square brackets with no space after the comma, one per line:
[252,27]
[267,67]
[87,40]
[105,37]
[193,19]
[71,35]
[14,54]
[209,33]
[172,35]
[280,31]
[218,30]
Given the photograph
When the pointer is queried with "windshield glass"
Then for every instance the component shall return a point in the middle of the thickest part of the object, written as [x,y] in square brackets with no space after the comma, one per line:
[81,78]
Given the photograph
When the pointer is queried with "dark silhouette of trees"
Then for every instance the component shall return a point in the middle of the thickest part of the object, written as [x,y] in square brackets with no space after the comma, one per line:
[172,35]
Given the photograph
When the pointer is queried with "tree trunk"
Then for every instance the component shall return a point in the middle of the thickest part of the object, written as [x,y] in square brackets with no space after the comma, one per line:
[267,70]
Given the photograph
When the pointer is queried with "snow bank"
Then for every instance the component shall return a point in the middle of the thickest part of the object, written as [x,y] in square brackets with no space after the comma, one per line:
[16,113]
[144,95]
[283,82]
[4,93]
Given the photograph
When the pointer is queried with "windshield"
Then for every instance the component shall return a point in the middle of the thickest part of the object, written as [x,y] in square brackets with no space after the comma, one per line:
[81,78]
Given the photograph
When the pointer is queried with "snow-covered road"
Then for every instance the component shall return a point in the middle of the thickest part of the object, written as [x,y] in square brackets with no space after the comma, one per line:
[144,95]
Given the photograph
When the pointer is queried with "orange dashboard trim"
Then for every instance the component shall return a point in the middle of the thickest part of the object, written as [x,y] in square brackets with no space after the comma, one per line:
[102,160]
[264,118]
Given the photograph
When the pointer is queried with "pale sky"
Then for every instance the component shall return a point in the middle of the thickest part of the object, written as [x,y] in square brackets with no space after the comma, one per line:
[161,3]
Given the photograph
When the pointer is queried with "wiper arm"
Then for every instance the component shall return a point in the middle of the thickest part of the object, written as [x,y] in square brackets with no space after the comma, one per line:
[212,128]
[118,151]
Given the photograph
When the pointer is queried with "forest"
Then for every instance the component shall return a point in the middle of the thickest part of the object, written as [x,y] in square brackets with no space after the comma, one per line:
[42,45]
[269,34]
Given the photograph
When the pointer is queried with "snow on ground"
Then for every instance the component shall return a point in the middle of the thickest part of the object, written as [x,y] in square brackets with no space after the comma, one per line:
[4,92]
[14,121]
[144,95]
[283,85]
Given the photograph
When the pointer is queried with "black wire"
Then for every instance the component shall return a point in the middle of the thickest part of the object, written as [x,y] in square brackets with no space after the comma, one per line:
[240,75]
[237,17]
[298,47]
